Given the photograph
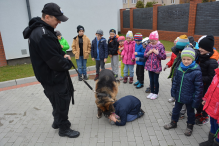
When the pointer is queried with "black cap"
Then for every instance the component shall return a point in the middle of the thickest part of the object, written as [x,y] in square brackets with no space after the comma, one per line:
[207,43]
[80,28]
[54,10]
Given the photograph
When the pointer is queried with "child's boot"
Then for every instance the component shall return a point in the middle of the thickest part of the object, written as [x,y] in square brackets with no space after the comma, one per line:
[171,125]
[210,140]
[79,78]
[189,130]
[130,80]
[148,90]
[97,76]
[125,79]
[139,86]
[136,83]
[215,143]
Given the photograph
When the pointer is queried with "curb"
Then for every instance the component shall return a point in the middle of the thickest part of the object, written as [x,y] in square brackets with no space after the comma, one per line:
[33,78]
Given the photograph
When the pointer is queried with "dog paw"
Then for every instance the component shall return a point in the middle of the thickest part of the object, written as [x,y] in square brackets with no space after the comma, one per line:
[98,117]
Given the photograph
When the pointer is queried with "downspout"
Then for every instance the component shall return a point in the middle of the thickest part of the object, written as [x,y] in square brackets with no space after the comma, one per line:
[28,9]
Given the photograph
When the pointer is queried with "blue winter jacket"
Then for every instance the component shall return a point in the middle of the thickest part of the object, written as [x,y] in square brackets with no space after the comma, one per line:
[140,50]
[102,46]
[187,87]
[126,105]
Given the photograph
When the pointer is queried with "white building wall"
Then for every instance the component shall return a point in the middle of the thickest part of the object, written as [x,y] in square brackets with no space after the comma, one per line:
[93,15]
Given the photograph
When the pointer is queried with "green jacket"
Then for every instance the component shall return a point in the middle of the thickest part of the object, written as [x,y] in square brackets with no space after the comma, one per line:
[64,43]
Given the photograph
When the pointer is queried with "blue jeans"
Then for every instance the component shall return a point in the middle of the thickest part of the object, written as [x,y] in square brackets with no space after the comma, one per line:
[214,127]
[190,112]
[131,70]
[81,63]
[154,83]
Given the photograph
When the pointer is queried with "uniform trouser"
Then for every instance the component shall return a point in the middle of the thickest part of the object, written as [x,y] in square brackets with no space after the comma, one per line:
[140,73]
[214,127]
[60,99]
[115,64]
[99,63]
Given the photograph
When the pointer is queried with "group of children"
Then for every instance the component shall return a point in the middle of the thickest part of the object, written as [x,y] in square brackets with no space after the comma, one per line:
[193,66]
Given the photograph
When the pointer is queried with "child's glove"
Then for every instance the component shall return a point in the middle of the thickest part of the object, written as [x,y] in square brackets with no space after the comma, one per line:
[132,60]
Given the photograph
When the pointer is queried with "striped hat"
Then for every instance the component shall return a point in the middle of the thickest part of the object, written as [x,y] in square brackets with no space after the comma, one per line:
[188,52]
[129,34]
[182,42]
[138,37]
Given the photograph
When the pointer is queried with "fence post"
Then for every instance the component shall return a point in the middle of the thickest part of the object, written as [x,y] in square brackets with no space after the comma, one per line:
[155,7]
[121,19]
[131,18]
[3,61]
[192,16]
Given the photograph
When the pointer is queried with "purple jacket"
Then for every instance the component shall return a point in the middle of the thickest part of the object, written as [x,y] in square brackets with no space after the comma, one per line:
[153,62]
[128,53]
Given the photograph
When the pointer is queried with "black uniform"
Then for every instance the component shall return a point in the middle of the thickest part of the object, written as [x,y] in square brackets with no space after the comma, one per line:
[51,69]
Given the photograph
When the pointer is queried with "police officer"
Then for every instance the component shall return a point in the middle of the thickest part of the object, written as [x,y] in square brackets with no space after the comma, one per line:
[51,65]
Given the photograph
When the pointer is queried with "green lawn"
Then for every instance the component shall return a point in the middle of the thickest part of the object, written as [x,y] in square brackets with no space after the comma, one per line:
[26,70]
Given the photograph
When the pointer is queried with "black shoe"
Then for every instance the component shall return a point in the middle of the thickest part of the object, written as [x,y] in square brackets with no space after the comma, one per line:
[69,133]
[141,113]
[189,130]
[79,78]
[85,77]
[210,140]
[54,126]
[170,125]
[148,90]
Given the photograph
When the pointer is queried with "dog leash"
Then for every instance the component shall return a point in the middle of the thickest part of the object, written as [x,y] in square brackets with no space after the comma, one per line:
[98,94]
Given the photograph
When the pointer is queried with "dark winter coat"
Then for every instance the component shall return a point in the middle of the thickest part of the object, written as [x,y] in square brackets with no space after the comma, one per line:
[102,46]
[126,105]
[187,87]
[208,65]
[113,45]
[49,65]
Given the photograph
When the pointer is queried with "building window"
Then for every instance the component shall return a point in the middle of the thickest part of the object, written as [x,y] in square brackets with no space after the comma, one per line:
[134,1]
[172,1]
[124,1]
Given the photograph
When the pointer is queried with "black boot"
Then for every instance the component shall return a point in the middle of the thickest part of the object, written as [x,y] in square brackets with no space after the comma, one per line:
[79,78]
[55,126]
[215,143]
[189,130]
[210,140]
[69,133]
[171,125]
[85,77]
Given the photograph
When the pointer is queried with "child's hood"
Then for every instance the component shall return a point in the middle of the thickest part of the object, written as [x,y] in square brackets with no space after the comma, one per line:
[215,55]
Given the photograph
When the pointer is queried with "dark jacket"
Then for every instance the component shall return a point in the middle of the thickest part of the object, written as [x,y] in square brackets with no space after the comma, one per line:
[113,46]
[187,87]
[208,64]
[126,105]
[102,46]
[49,65]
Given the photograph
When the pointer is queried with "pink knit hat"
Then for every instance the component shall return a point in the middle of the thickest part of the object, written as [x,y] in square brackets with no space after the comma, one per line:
[121,38]
[154,36]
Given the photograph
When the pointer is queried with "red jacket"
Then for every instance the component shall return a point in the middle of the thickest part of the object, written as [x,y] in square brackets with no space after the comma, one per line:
[170,63]
[212,97]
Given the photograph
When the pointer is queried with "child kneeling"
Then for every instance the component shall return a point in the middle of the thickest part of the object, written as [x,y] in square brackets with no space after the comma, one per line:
[187,88]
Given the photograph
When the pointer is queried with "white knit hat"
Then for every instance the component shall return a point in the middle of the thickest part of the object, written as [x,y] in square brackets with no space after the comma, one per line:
[129,34]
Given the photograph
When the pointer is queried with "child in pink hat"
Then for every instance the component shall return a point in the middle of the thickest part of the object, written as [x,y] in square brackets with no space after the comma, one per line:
[154,53]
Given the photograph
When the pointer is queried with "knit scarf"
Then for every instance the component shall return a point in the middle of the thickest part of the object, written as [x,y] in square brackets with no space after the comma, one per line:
[184,68]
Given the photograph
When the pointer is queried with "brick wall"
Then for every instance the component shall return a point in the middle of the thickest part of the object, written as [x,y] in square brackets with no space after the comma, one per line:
[3,61]
[169,35]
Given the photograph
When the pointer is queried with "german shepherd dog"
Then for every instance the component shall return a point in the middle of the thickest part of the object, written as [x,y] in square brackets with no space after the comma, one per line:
[106,91]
